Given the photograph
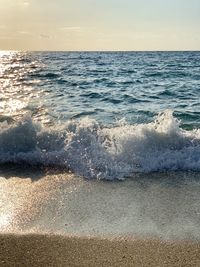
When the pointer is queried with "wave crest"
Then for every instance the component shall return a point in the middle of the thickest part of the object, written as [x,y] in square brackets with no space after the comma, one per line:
[94,151]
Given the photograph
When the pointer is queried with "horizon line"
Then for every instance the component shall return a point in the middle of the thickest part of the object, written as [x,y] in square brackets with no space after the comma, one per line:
[24,50]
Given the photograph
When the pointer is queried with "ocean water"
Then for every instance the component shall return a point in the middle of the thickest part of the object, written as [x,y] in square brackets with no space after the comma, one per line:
[101,115]
[70,121]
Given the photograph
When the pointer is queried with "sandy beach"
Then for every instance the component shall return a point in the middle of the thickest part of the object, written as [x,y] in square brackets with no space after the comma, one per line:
[55,250]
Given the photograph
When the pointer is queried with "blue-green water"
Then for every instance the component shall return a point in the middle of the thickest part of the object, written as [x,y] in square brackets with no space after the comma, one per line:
[101,114]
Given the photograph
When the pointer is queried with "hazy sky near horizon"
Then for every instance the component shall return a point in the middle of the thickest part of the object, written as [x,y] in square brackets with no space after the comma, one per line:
[100,24]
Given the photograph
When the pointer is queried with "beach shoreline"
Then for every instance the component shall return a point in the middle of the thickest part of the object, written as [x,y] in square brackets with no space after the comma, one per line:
[63,250]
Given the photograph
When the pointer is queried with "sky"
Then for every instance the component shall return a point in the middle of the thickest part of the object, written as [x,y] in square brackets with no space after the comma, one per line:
[79,25]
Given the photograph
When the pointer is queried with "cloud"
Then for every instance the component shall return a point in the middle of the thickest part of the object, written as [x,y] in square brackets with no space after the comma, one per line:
[26,3]
[45,36]
[3,37]
[15,3]
[71,28]
[24,33]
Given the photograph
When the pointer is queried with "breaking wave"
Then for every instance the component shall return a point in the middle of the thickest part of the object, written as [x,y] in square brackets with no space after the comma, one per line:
[92,150]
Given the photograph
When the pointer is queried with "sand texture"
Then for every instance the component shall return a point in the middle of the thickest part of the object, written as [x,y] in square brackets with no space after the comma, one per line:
[55,250]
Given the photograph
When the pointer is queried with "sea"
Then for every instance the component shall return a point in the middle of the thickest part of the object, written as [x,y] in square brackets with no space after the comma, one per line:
[129,120]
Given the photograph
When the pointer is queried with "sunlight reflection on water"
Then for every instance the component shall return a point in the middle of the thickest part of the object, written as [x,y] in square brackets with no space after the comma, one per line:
[18,92]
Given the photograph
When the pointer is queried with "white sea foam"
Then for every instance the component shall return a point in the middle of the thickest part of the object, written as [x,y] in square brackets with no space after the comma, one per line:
[93,151]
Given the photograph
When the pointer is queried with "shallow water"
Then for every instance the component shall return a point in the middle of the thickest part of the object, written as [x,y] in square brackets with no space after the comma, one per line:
[147,205]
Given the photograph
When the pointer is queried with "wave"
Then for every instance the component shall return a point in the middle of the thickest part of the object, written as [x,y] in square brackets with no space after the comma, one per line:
[92,150]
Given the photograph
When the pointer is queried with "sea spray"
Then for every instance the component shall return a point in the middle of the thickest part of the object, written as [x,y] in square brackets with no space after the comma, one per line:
[92,150]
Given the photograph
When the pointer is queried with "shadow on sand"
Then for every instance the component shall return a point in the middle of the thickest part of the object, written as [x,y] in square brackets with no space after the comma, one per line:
[10,170]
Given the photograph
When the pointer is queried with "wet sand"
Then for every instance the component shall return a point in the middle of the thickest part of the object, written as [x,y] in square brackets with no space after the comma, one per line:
[54,250]
[58,219]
